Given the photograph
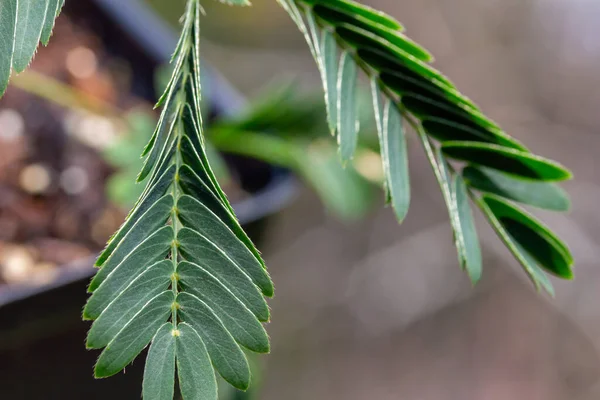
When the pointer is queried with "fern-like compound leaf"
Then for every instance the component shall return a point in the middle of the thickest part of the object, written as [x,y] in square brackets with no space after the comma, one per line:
[180,275]
[450,126]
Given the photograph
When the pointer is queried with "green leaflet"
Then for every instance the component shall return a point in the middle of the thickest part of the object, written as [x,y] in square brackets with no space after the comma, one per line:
[396,160]
[147,253]
[135,336]
[330,67]
[336,17]
[51,13]
[236,317]
[361,38]
[425,107]
[529,264]
[471,259]
[514,162]
[346,107]
[129,302]
[226,355]
[202,251]
[143,228]
[445,130]
[22,25]
[535,238]
[354,8]
[153,195]
[159,374]
[539,194]
[196,375]
[8,17]
[31,15]
[461,219]
[198,217]
[379,115]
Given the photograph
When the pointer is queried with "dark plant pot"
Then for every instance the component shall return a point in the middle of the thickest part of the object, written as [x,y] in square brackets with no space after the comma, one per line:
[42,352]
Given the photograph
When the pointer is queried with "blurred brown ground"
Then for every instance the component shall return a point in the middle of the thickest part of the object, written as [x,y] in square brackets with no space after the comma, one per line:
[373,310]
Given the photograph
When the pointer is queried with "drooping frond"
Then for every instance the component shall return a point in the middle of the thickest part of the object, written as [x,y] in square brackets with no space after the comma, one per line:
[488,166]
[23,24]
[180,274]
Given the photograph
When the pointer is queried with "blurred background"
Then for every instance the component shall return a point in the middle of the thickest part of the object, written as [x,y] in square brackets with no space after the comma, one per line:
[364,308]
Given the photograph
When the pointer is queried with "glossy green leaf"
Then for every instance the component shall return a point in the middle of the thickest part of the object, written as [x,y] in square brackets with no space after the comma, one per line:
[445,130]
[361,39]
[225,354]
[529,264]
[196,375]
[425,107]
[159,373]
[335,17]
[538,194]
[396,160]
[346,107]
[514,162]
[534,237]
[135,336]
[354,8]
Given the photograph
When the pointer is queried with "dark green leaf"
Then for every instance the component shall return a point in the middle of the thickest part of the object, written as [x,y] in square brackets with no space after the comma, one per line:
[201,250]
[529,264]
[534,237]
[159,374]
[196,375]
[354,8]
[147,253]
[225,354]
[363,39]
[336,17]
[511,161]
[427,108]
[149,222]
[539,194]
[129,302]
[135,336]
[150,199]
[236,317]
[445,130]
[197,216]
